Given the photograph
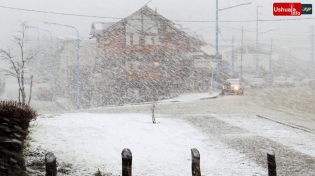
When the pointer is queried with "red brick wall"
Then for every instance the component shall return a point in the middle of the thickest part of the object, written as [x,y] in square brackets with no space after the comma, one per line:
[114,41]
[170,43]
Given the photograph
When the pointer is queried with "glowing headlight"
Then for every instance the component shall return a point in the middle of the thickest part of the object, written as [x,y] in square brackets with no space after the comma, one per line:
[236,88]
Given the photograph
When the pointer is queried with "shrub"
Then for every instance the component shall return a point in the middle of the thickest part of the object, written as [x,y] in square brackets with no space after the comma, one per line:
[14,123]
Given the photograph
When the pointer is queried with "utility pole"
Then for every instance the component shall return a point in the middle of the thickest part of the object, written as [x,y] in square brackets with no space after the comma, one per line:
[242,54]
[233,56]
[217,44]
[217,38]
[312,53]
[257,55]
[270,57]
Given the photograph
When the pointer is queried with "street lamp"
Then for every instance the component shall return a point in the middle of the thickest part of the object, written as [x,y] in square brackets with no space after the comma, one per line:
[217,38]
[78,63]
[50,64]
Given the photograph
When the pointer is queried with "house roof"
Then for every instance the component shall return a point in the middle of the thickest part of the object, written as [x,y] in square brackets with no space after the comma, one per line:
[99,28]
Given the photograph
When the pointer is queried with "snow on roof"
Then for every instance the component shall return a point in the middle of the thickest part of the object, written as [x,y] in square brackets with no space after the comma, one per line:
[99,26]
[105,25]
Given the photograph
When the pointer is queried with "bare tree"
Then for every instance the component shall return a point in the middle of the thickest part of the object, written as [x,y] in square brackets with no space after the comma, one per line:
[18,62]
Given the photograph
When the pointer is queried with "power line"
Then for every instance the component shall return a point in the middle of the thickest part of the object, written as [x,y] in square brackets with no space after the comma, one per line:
[192,21]
[268,33]
[222,36]
[204,29]
[56,13]
[237,29]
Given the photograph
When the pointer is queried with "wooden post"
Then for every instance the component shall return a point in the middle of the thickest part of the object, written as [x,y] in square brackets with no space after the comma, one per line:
[51,166]
[126,162]
[195,162]
[271,159]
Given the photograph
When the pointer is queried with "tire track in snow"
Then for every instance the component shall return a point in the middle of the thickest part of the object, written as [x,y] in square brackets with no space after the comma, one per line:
[254,146]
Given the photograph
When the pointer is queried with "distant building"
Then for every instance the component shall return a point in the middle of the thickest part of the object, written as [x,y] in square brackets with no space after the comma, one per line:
[244,65]
[145,55]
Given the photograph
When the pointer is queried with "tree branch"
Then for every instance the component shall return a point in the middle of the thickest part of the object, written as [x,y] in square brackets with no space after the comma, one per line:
[30,58]
[8,57]
[8,72]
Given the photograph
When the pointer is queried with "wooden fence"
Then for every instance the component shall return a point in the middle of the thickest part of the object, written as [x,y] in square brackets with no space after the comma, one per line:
[126,156]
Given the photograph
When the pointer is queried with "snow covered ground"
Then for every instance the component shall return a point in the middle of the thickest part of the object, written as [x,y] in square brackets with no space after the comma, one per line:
[296,139]
[91,141]
[231,139]
[192,97]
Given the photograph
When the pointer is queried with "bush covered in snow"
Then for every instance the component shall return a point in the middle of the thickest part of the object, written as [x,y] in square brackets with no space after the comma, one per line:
[14,123]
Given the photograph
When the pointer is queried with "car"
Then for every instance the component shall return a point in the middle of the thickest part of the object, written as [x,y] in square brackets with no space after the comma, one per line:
[289,82]
[232,86]
[257,83]
[279,82]
[45,93]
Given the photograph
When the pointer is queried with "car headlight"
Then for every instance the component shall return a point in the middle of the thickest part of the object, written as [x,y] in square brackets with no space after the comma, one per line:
[236,88]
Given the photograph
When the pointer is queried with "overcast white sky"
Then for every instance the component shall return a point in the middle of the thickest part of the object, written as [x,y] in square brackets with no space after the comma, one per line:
[289,35]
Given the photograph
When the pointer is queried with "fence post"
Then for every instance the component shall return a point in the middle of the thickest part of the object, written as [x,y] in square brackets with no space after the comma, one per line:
[51,166]
[271,159]
[126,162]
[195,162]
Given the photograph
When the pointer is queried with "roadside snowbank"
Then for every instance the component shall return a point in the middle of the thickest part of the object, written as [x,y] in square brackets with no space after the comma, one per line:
[192,97]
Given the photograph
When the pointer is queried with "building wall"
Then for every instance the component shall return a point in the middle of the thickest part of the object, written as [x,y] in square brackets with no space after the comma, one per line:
[114,42]
[162,41]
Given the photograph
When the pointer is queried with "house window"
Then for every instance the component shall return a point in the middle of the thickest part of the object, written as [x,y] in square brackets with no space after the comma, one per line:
[128,39]
[135,40]
[132,65]
[148,40]
[156,40]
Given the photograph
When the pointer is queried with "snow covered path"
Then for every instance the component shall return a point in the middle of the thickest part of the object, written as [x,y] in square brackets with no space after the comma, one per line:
[92,141]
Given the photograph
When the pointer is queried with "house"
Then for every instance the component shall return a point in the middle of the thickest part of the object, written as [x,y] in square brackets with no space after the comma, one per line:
[144,55]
